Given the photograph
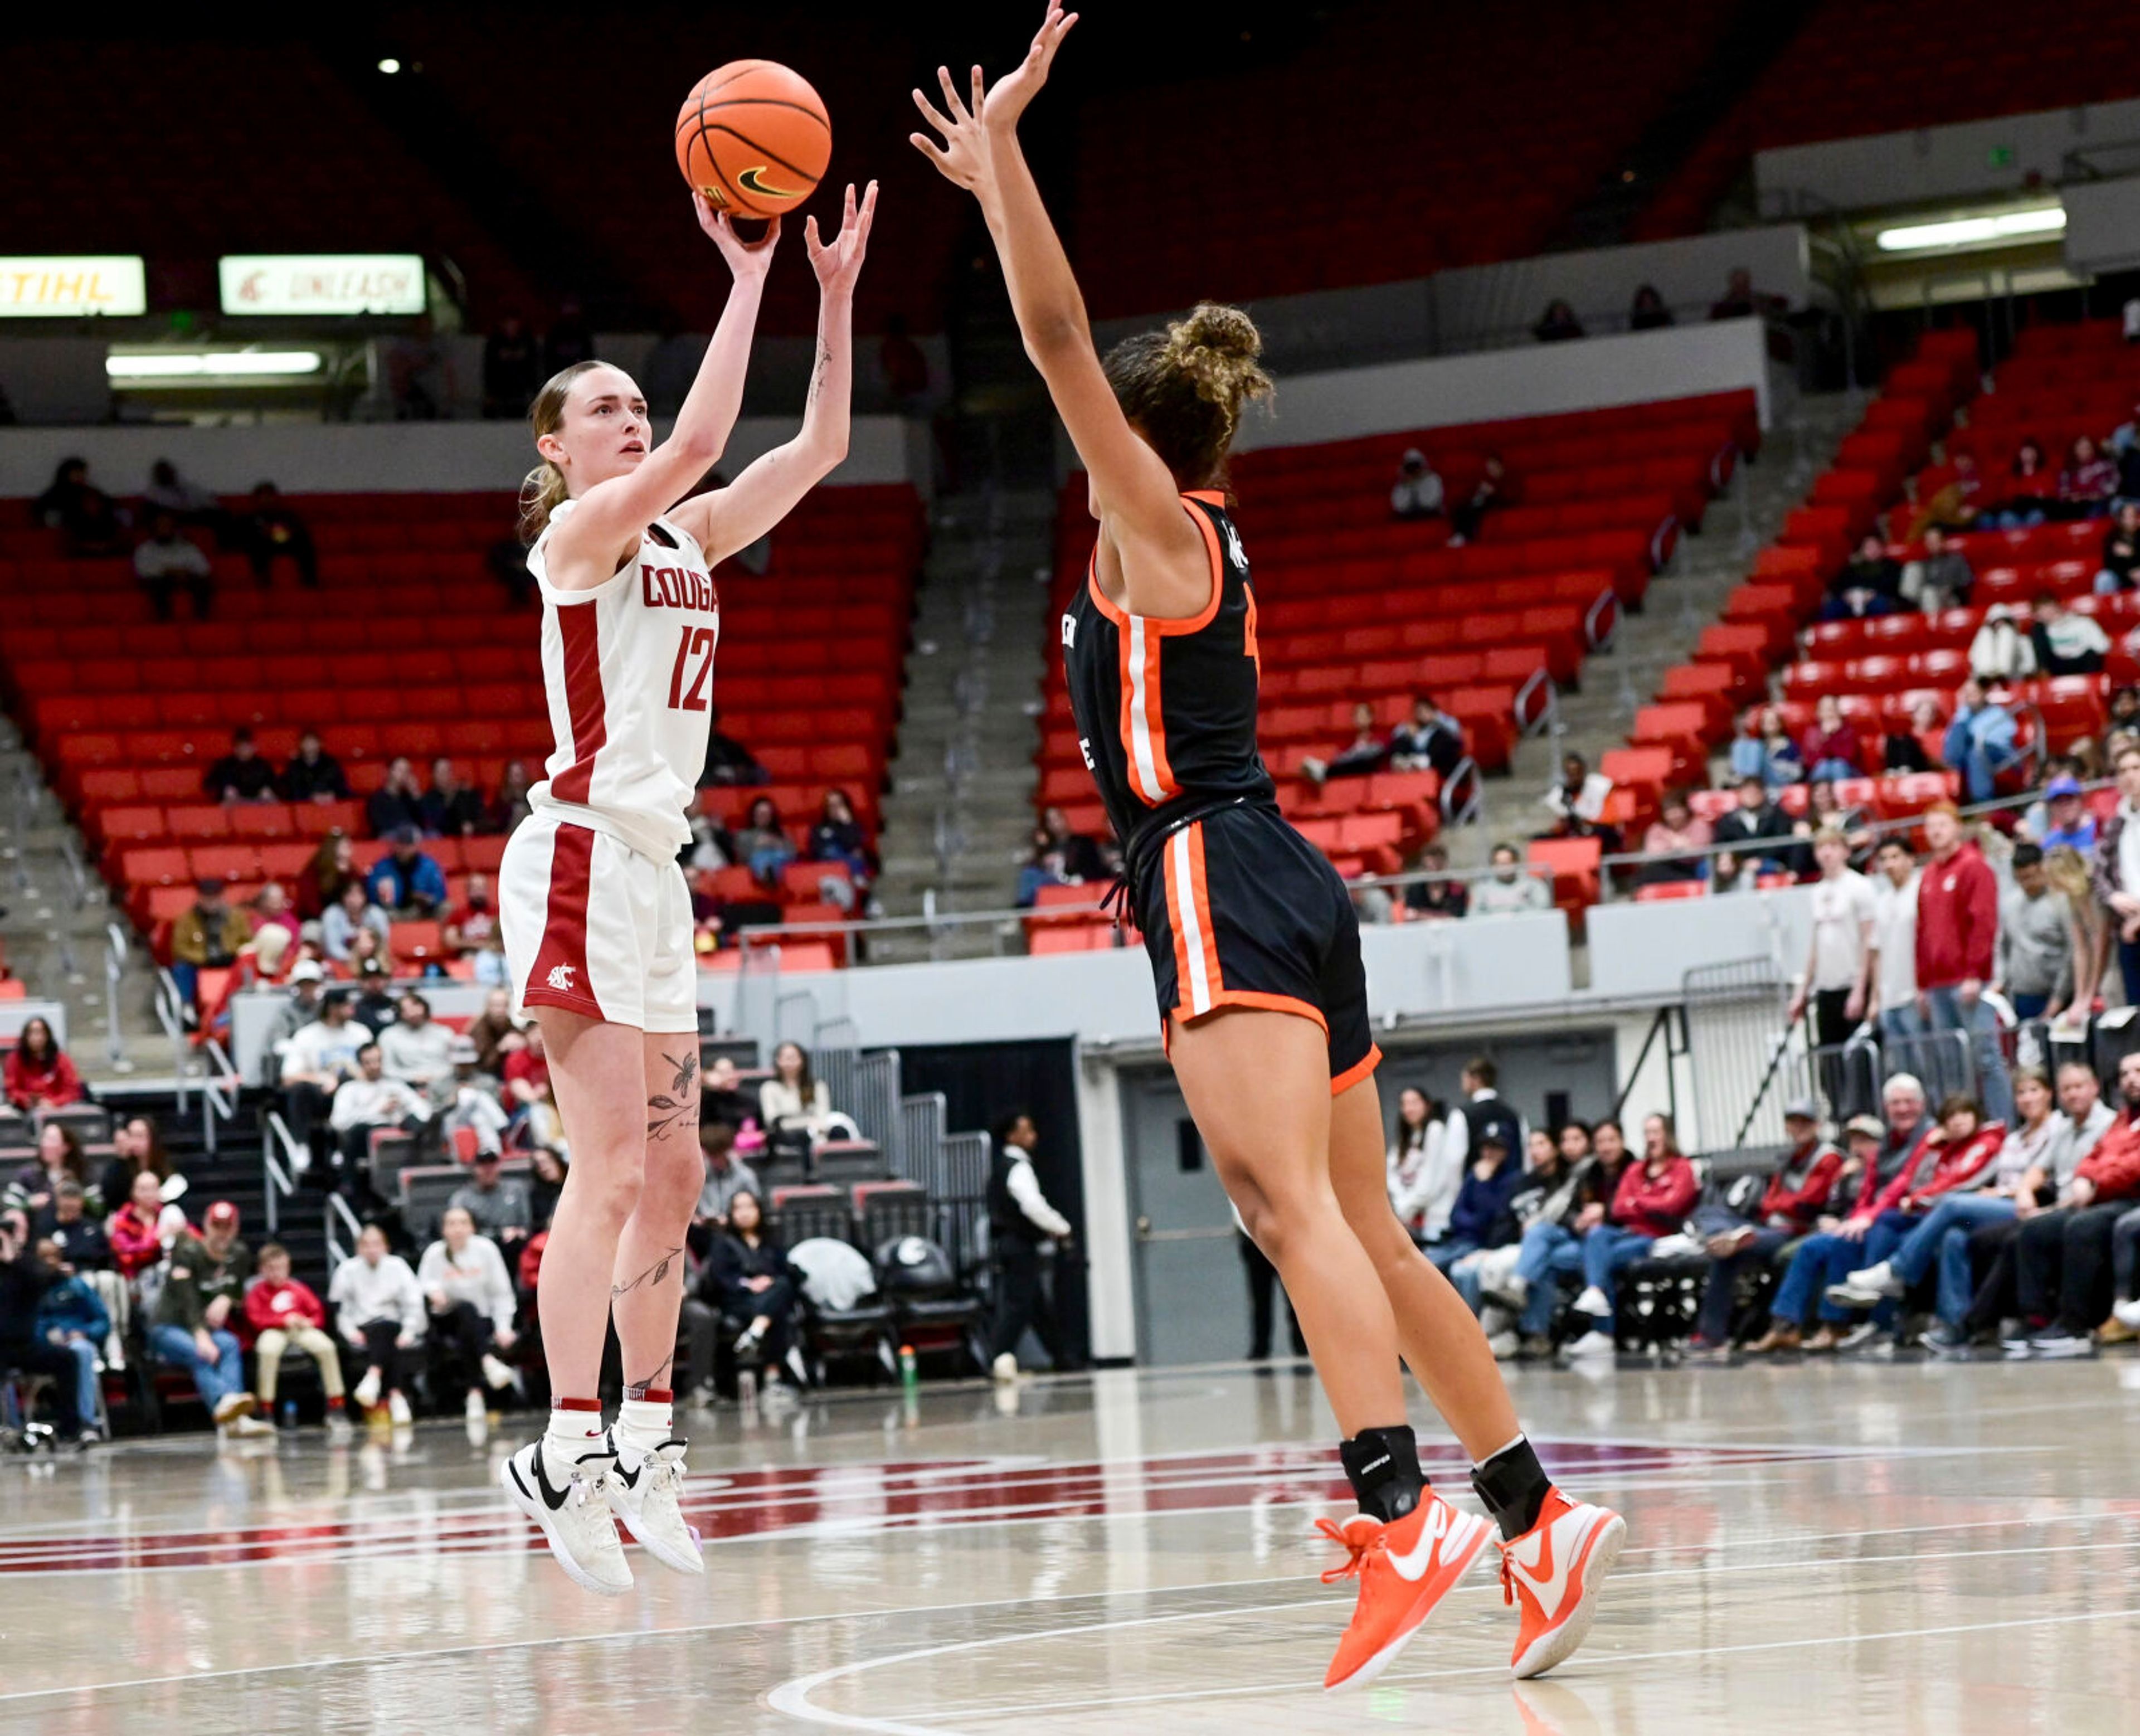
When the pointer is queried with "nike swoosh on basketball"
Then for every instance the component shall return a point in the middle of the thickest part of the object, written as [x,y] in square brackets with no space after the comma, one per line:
[1548,1578]
[753,180]
[1413,1566]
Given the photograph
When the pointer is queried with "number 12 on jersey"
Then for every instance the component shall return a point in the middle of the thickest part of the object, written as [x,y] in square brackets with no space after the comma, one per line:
[692,642]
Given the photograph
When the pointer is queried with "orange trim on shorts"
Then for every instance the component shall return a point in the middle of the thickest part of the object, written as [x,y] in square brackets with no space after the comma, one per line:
[1252,1001]
[1358,1070]
[1200,887]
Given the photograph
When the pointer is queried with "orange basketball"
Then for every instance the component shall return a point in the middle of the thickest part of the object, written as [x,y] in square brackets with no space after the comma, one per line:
[754,138]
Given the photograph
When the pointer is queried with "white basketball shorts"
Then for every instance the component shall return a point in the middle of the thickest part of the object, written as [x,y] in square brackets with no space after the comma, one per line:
[594,927]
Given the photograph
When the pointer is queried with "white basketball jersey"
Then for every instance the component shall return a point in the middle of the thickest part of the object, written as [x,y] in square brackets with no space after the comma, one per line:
[628,673]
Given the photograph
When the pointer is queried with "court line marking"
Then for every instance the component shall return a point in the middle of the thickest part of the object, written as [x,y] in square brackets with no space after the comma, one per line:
[791,1699]
[421,1655]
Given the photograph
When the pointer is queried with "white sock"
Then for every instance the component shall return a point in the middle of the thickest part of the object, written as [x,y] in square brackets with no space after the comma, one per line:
[565,1441]
[643,1425]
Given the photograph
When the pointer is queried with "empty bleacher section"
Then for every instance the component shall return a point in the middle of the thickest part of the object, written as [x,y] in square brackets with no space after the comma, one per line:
[410,646]
[1431,166]
[1355,605]
[1855,69]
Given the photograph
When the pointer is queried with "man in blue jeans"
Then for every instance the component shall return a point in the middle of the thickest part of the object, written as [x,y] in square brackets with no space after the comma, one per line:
[190,1327]
[1979,742]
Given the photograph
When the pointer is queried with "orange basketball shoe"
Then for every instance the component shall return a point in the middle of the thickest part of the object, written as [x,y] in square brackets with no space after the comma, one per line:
[1405,1568]
[1553,1571]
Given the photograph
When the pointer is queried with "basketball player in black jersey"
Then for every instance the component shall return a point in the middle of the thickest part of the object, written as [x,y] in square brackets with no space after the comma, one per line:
[1254,943]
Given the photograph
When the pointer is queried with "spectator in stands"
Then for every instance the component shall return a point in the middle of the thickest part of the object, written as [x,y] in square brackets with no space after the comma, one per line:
[1826,812]
[494,1033]
[1957,942]
[417,1050]
[1577,804]
[1832,748]
[1869,585]
[511,369]
[2029,489]
[794,1098]
[2067,642]
[570,338]
[1446,899]
[763,842]
[2117,871]
[208,936]
[2071,875]
[298,1008]
[1652,1200]
[72,1315]
[1557,324]
[286,1315]
[2124,444]
[2002,651]
[69,1222]
[471,925]
[379,1312]
[318,1059]
[406,881]
[2067,823]
[1741,301]
[1981,741]
[2026,1158]
[509,807]
[728,761]
[1551,1248]
[1429,740]
[166,561]
[1675,841]
[1417,492]
[24,1280]
[721,1097]
[1647,311]
[371,1103]
[1842,963]
[81,511]
[1754,821]
[2088,480]
[38,1075]
[186,501]
[397,802]
[496,1204]
[2121,551]
[469,1103]
[193,1323]
[1904,749]
[1793,1202]
[1083,858]
[450,808]
[466,1283]
[140,1229]
[1762,749]
[1495,489]
[1882,1158]
[1507,890]
[727,1175]
[1480,1217]
[332,871]
[837,838]
[528,1093]
[2062,1259]
[136,1147]
[241,775]
[269,529]
[1044,867]
[747,1278]
[270,910]
[1941,577]
[1366,754]
[1422,1181]
[352,912]
[2035,967]
[59,1160]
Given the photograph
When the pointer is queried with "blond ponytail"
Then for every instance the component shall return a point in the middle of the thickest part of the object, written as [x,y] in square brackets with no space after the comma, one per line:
[1185,387]
[543,490]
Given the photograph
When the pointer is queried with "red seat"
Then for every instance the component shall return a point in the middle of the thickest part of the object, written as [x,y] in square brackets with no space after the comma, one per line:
[1658,891]
[1573,863]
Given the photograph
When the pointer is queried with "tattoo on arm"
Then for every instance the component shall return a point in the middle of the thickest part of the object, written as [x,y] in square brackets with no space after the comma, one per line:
[817,373]
[667,1110]
[652,1276]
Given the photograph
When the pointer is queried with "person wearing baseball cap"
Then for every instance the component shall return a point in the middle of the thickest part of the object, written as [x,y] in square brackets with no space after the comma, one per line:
[1798,1191]
[2067,824]
[193,1325]
[1480,1217]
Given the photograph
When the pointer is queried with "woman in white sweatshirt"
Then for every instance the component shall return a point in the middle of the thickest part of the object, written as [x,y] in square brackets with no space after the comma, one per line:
[793,1098]
[464,1280]
[1424,1174]
[379,1311]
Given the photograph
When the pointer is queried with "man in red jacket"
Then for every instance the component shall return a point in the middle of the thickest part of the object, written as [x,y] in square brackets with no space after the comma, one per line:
[1798,1193]
[2062,1277]
[1957,948]
[285,1313]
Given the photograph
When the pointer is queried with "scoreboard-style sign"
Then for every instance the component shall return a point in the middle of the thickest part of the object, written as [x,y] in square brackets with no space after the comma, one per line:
[60,286]
[332,285]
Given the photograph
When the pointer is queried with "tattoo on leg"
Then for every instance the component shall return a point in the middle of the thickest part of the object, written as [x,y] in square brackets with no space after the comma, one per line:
[637,1388]
[652,1276]
[666,1111]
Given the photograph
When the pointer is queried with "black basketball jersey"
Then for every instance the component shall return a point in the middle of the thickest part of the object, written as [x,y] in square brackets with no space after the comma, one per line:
[1166,709]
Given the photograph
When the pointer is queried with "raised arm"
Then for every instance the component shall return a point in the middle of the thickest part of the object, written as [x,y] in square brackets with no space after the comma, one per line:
[724,520]
[586,547]
[980,153]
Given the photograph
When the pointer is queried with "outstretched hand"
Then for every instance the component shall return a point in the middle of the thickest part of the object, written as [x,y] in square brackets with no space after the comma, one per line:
[838,264]
[966,156]
[747,259]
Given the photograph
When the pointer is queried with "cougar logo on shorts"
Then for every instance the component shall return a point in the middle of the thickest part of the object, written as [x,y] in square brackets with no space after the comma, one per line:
[561,978]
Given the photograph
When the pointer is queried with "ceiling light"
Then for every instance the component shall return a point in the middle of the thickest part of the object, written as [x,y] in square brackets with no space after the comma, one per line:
[390,66]
[209,365]
[1974,232]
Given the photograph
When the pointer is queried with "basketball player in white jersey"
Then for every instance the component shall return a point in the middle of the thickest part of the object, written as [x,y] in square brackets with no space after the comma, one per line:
[597,920]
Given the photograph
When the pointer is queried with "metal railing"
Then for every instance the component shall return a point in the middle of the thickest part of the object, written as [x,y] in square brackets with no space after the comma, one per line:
[115,952]
[169,1007]
[1736,1035]
[342,1230]
[922,1120]
[221,1086]
[281,1160]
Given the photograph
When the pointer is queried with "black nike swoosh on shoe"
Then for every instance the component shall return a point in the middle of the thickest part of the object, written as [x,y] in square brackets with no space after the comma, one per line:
[629,1480]
[552,1498]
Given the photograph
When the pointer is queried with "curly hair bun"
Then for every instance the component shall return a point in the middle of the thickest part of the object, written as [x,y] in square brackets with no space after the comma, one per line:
[1217,347]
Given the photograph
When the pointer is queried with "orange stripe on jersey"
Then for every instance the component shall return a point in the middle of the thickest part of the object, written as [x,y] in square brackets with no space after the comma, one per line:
[1248,632]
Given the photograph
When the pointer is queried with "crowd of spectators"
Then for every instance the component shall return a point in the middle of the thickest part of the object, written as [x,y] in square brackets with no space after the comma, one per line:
[1948,1227]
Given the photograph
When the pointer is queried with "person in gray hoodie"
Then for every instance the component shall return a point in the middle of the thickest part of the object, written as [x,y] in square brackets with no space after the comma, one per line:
[2035,940]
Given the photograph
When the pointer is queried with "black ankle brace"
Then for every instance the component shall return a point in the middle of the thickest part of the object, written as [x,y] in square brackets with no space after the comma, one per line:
[1512,1484]
[1383,1465]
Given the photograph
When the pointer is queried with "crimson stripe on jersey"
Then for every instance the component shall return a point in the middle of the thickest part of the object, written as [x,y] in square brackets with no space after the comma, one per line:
[560,978]
[583,699]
